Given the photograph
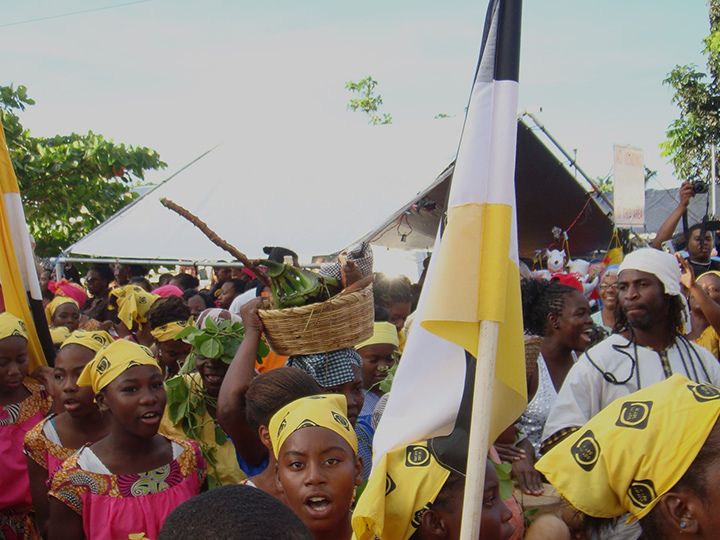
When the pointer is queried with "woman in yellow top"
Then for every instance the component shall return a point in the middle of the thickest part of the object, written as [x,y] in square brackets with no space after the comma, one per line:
[191,409]
[704,296]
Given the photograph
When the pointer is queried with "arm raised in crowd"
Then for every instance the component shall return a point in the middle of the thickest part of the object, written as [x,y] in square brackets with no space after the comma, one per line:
[231,400]
[710,309]
[668,227]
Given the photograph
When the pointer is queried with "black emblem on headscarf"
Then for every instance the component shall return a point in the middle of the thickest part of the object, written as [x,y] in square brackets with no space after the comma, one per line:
[389,485]
[642,492]
[282,426]
[307,423]
[340,419]
[417,456]
[586,451]
[102,365]
[634,414]
[704,392]
[417,516]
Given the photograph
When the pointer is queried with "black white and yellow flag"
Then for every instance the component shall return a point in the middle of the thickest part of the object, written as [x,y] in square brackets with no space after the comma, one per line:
[473,275]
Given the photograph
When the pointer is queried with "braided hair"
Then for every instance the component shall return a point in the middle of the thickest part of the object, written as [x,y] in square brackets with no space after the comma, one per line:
[541,299]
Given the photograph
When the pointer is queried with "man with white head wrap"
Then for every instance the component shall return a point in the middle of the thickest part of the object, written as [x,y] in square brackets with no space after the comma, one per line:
[650,348]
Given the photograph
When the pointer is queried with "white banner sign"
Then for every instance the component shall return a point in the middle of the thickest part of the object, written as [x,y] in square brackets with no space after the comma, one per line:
[629,187]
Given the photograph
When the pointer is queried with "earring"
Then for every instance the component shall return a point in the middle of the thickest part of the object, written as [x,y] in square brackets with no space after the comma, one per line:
[683,524]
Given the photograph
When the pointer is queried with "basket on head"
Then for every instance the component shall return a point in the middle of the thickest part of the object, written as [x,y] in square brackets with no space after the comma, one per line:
[343,321]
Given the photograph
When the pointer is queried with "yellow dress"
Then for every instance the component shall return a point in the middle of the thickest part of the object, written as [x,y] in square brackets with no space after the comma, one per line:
[222,464]
[709,339]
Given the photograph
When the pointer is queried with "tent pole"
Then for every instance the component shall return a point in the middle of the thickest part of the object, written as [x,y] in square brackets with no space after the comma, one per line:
[154,262]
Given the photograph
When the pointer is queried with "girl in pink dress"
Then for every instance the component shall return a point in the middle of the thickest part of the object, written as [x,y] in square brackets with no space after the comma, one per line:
[125,485]
[23,403]
[59,436]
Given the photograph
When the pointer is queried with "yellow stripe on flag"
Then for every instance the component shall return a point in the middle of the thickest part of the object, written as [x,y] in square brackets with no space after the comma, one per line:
[482,282]
[13,289]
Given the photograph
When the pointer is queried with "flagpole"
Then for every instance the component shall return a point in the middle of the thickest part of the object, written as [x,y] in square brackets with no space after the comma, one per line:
[479,430]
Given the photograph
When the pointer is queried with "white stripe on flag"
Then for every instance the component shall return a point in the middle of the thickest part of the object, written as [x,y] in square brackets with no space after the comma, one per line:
[21,242]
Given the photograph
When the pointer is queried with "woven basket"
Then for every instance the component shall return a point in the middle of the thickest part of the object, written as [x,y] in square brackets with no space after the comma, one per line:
[343,321]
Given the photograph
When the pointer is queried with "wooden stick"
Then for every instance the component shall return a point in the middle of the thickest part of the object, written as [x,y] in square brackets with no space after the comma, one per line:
[479,430]
[215,239]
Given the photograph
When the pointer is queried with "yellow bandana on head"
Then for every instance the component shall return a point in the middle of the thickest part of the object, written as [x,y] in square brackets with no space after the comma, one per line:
[59,334]
[55,303]
[112,361]
[635,450]
[384,333]
[133,303]
[403,484]
[324,410]
[11,326]
[90,340]
[169,331]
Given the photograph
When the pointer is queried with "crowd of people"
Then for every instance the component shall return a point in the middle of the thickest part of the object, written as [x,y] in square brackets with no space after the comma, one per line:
[166,415]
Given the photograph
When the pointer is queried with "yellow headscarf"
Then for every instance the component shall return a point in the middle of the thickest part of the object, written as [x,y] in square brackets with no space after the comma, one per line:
[56,303]
[712,272]
[169,331]
[383,333]
[633,451]
[10,326]
[59,334]
[324,410]
[133,303]
[112,361]
[90,340]
[403,483]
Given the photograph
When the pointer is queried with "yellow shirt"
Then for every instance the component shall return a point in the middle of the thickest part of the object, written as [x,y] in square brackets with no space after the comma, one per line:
[709,339]
[225,469]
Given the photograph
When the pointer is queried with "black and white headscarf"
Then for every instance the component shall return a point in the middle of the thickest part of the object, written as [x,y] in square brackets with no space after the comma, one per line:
[329,369]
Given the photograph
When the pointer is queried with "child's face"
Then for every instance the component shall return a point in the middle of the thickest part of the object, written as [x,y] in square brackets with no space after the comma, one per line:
[67,315]
[212,372]
[318,472]
[13,363]
[353,392]
[136,400]
[172,353]
[446,518]
[76,400]
[376,361]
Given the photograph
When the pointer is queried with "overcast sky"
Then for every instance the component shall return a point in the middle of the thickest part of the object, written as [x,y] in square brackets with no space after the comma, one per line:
[182,76]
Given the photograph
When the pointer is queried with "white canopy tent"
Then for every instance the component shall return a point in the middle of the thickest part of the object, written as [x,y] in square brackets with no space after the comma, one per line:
[318,195]
[308,189]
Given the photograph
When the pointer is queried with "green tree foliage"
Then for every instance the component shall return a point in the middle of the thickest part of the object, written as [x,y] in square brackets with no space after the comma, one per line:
[69,183]
[697,95]
[367,101]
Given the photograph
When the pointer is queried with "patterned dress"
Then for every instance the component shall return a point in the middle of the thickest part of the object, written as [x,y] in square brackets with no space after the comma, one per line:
[127,505]
[44,447]
[15,500]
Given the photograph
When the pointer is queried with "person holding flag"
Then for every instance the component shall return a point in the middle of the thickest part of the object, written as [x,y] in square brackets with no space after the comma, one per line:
[481,316]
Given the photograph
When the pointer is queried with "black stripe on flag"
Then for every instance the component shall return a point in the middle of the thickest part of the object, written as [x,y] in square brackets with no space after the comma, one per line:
[507,54]
[500,49]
